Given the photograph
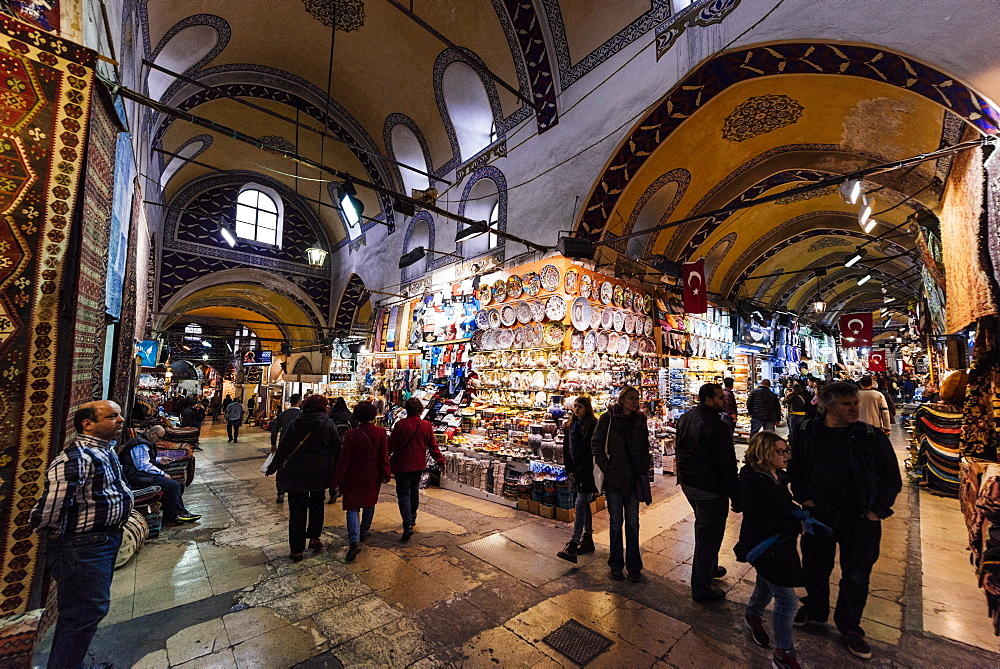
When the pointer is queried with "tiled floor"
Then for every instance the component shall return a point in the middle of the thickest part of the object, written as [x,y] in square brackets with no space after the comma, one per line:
[223,593]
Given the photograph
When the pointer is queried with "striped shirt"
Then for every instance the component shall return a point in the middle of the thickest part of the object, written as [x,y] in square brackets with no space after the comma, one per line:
[84,490]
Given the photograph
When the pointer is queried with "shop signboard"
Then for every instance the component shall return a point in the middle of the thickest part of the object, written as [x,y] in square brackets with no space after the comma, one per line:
[252,357]
[148,351]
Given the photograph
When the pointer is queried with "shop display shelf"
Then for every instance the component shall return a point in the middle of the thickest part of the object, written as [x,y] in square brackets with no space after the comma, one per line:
[472,491]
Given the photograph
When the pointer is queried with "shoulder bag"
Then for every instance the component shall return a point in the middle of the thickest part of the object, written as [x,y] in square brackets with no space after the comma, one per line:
[295,450]
[598,472]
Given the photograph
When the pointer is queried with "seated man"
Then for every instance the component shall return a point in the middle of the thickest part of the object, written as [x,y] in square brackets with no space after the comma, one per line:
[137,459]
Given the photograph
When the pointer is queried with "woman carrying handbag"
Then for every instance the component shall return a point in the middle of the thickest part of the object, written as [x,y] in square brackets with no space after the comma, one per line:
[621,451]
[305,457]
[361,470]
[411,441]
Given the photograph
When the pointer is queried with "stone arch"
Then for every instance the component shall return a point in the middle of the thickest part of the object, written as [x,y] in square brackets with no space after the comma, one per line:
[467,206]
[178,53]
[769,60]
[447,58]
[392,123]
[419,232]
[353,298]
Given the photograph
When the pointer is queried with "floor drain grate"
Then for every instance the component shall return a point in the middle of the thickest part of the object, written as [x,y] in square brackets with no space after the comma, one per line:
[577,642]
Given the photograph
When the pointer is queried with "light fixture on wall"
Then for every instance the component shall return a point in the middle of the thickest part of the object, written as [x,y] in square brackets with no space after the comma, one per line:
[859,254]
[316,255]
[472,230]
[417,254]
[228,233]
[865,279]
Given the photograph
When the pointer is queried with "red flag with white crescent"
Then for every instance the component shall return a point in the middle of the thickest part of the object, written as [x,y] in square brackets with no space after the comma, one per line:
[876,361]
[695,290]
[856,330]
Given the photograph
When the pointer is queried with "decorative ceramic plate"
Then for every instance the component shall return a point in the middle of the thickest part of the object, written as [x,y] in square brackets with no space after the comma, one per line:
[647,305]
[607,291]
[623,343]
[477,339]
[595,316]
[514,287]
[633,347]
[602,342]
[531,284]
[618,296]
[618,320]
[580,313]
[626,298]
[590,342]
[555,333]
[613,343]
[586,285]
[483,319]
[523,312]
[519,337]
[608,318]
[550,277]
[536,334]
[567,357]
[571,282]
[537,310]
[629,322]
[499,290]
[647,326]
[508,316]
[485,294]
[505,338]
[494,318]
[555,308]
[576,340]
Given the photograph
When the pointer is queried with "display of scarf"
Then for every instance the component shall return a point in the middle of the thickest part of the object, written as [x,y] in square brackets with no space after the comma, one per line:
[981,413]
[936,429]
[979,495]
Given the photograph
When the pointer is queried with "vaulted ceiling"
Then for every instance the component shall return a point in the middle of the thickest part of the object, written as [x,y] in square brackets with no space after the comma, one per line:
[750,122]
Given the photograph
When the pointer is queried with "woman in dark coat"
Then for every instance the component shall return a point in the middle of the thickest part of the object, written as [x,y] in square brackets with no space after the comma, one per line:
[361,470]
[767,506]
[341,417]
[621,449]
[307,453]
[579,462]
[411,439]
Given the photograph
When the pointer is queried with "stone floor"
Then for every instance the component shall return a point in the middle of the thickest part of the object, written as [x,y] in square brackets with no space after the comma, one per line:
[222,592]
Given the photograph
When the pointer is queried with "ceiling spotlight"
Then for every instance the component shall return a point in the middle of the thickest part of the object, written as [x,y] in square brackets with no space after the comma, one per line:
[228,234]
[865,279]
[351,208]
[867,203]
[899,340]
[206,343]
[472,230]
[857,257]
[205,357]
[417,254]
[869,226]
[850,190]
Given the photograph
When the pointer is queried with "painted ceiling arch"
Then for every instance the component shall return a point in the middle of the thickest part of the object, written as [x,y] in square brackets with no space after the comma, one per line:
[354,297]
[771,61]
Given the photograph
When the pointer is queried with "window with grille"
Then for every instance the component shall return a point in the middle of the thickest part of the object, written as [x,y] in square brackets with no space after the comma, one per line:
[258,217]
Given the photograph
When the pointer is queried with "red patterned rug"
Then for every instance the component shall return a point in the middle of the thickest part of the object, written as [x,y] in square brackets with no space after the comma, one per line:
[44,108]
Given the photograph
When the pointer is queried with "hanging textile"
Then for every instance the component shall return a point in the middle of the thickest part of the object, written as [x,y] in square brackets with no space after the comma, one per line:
[981,413]
[44,110]
[980,500]
[964,230]
[936,429]
[90,292]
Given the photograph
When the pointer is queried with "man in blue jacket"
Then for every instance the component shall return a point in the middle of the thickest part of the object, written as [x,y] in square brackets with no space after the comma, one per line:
[844,472]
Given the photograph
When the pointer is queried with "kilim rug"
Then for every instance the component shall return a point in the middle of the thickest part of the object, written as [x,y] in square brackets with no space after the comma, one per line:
[45,96]
[92,264]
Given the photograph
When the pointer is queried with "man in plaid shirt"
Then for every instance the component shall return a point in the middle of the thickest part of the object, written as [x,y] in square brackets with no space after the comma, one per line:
[83,507]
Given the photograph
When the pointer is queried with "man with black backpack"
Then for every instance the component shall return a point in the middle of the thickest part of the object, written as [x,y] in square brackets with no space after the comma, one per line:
[844,472]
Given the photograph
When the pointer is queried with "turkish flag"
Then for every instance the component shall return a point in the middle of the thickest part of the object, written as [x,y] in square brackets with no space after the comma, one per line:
[695,290]
[876,361]
[856,330]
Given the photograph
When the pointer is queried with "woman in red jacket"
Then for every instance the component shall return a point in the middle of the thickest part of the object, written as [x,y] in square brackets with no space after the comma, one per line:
[409,443]
[362,468]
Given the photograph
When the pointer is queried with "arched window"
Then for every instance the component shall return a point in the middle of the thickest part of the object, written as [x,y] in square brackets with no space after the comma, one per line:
[482,204]
[406,147]
[419,235]
[469,109]
[259,214]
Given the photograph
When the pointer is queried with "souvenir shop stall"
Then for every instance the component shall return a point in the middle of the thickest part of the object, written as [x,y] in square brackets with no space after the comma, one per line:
[787,356]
